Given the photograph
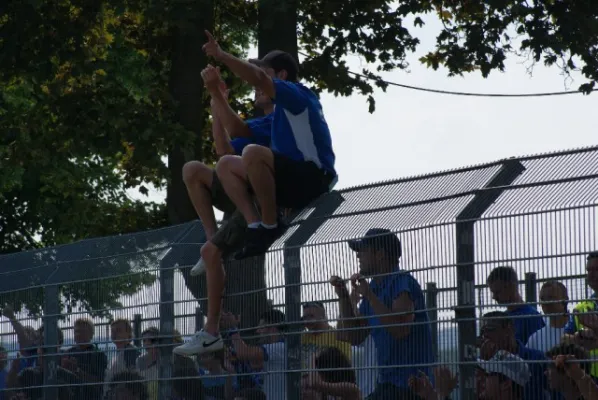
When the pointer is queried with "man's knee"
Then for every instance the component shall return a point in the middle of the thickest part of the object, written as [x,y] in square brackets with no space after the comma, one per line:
[210,252]
[195,170]
[227,164]
[256,153]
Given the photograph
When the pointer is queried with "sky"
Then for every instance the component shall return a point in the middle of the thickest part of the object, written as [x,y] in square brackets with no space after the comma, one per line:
[414,133]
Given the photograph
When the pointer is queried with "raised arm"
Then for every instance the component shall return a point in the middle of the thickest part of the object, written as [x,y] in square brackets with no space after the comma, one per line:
[232,123]
[248,72]
[24,337]
[350,328]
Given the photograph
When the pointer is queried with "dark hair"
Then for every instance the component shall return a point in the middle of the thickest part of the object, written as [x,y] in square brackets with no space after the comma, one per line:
[152,334]
[132,382]
[337,365]
[563,289]
[592,255]
[252,394]
[502,274]
[316,304]
[190,388]
[570,349]
[274,317]
[500,317]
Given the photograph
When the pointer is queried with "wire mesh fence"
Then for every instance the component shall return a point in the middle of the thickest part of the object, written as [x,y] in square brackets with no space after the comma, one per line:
[478,244]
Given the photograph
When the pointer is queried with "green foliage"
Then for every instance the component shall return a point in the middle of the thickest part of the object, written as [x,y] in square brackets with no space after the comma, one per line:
[476,35]
[86,114]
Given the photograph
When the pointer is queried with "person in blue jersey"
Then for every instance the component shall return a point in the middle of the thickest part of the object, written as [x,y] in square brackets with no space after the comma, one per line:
[504,286]
[498,333]
[231,135]
[392,310]
[298,166]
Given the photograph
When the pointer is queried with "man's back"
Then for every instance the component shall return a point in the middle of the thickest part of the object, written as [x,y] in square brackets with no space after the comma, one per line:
[299,129]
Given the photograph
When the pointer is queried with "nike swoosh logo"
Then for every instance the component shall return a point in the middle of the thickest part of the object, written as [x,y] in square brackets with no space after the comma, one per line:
[208,344]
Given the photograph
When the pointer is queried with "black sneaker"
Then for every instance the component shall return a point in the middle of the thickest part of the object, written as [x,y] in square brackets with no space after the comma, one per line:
[258,241]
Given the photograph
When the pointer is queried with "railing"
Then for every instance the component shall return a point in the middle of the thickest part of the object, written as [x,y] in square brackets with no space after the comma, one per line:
[537,214]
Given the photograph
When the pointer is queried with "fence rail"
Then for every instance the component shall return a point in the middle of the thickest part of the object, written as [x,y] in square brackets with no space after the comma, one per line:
[536,214]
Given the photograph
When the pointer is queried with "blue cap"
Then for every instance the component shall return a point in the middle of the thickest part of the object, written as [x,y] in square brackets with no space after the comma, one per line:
[379,239]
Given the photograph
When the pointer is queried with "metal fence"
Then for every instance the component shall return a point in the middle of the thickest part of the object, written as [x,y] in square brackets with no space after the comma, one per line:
[536,214]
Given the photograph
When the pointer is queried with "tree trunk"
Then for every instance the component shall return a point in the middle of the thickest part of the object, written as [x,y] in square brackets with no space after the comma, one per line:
[277,26]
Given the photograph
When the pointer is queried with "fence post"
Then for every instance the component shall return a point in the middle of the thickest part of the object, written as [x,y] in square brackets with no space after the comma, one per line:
[137,330]
[465,311]
[167,265]
[51,343]
[432,306]
[531,293]
[325,206]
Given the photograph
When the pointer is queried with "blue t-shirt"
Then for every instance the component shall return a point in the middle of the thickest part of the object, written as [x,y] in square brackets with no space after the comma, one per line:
[525,327]
[3,375]
[261,129]
[537,387]
[416,348]
[299,130]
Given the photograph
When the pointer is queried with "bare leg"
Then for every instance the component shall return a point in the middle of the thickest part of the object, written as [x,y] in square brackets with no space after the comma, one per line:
[259,163]
[215,278]
[198,179]
[233,176]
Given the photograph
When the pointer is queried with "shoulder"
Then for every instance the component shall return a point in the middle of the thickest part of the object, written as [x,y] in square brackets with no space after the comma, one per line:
[403,281]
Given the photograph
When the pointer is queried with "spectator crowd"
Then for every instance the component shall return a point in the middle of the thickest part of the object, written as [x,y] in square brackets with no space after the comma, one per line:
[381,347]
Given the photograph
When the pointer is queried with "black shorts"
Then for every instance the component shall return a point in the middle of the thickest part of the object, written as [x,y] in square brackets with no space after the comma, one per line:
[220,199]
[298,183]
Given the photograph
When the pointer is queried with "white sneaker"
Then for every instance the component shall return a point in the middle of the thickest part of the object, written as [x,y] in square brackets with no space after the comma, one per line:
[202,342]
[199,268]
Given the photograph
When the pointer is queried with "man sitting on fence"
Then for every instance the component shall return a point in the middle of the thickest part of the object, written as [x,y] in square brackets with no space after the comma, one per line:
[393,310]
[504,286]
[297,169]
[203,185]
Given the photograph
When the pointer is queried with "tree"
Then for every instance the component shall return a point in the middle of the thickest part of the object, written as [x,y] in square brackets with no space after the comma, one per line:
[476,36]
[86,114]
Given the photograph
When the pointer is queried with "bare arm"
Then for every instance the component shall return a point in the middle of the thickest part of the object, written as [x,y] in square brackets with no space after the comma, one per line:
[397,325]
[253,354]
[348,325]
[232,123]
[23,336]
[250,73]
[221,138]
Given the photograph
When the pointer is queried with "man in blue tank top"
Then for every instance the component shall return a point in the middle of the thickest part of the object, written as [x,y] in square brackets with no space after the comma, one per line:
[394,311]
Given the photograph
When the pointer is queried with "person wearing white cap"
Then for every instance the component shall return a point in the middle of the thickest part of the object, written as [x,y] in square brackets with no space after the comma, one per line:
[506,376]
